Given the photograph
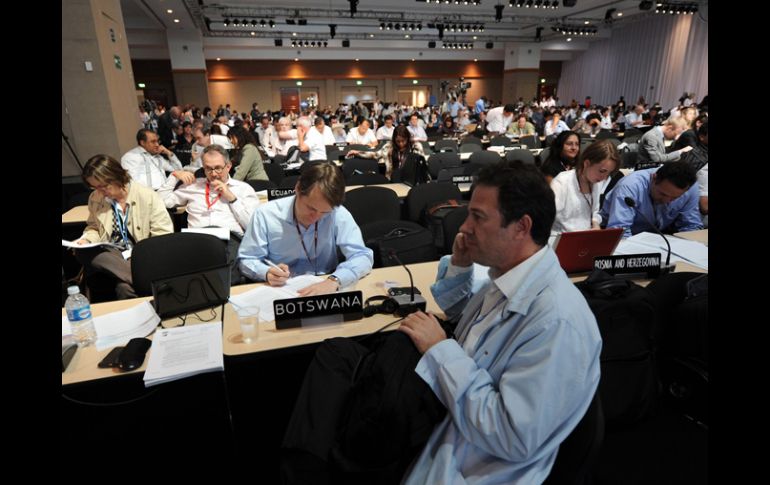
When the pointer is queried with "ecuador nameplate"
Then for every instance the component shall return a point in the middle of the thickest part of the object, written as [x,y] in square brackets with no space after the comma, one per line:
[462,179]
[643,265]
[273,194]
[319,309]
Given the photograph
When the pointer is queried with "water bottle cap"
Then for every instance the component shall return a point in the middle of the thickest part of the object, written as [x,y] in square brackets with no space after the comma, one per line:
[73,290]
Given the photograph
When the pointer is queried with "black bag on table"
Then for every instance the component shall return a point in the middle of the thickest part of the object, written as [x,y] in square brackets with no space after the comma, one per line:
[626,314]
[411,242]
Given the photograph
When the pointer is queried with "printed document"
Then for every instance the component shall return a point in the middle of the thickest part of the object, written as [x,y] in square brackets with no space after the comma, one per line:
[186,351]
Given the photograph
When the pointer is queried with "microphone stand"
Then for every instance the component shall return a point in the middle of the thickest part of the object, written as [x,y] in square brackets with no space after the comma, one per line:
[411,303]
[67,141]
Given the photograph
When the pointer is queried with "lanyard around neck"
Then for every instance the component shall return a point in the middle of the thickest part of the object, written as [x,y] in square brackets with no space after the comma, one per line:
[122,221]
[302,241]
[209,202]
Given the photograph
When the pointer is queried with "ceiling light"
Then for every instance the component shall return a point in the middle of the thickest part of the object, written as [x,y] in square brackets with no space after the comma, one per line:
[176,21]
[169,11]
[219,58]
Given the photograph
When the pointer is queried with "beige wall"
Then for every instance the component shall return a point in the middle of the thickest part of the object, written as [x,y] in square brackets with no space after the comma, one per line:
[520,83]
[99,108]
[241,94]
[192,87]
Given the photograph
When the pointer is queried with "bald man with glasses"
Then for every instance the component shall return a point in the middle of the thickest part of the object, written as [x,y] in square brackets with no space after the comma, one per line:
[216,200]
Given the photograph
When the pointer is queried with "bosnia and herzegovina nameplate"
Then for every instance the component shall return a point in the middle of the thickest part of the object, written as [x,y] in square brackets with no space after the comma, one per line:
[318,309]
[273,194]
[645,264]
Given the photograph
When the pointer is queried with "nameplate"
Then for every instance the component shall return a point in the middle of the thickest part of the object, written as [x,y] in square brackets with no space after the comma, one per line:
[462,179]
[341,145]
[318,310]
[645,265]
[646,165]
[508,149]
[273,194]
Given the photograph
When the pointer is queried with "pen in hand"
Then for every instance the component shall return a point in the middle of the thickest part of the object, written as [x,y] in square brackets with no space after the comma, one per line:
[276,275]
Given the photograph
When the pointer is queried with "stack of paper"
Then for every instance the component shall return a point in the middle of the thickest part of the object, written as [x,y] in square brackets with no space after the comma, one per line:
[181,352]
[264,296]
[74,245]
[692,252]
[117,328]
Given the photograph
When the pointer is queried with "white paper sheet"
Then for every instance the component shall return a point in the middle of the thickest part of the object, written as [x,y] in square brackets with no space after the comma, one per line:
[183,352]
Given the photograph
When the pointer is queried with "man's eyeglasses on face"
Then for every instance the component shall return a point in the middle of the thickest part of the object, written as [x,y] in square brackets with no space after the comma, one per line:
[216,170]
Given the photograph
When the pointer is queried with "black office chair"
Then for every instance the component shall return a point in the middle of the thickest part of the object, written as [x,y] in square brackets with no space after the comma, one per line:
[372,204]
[532,141]
[629,159]
[450,226]
[470,148]
[288,182]
[578,453]
[484,158]
[200,173]
[367,179]
[258,185]
[412,242]
[472,140]
[359,165]
[500,140]
[78,199]
[437,161]
[606,134]
[274,172]
[445,146]
[520,154]
[426,195]
[174,254]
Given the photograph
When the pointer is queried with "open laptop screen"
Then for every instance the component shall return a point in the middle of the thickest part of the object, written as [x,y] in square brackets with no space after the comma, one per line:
[576,250]
[189,292]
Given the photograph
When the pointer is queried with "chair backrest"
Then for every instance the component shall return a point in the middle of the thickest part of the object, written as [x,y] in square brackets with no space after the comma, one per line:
[173,254]
[445,146]
[500,140]
[333,154]
[288,182]
[358,147]
[544,154]
[578,453]
[426,149]
[81,198]
[412,242]
[521,154]
[451,226]
[446,174]
[605,134]
[360,165]
[437,161]
[629,159]
[470,139]
[258,185]
[274,172]
[367,179]
[532,141]
[200,173]
[372,204]
[485,157]
[470,148]
[424,195]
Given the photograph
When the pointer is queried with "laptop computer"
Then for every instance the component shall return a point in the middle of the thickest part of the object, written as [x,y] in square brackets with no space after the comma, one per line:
[576,250]
[189,292]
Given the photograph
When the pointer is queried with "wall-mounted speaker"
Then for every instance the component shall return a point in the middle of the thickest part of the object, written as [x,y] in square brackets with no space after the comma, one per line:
[278,42]
[346,43]
[432,44]
[490,45]
[569,3]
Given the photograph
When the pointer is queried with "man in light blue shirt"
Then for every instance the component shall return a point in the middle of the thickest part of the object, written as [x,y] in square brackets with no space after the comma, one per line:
[525,365]
[481,105]
[301,234]
[667,196]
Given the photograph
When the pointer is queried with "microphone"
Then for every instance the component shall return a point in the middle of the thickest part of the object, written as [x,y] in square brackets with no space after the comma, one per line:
[667,267]
[407,303]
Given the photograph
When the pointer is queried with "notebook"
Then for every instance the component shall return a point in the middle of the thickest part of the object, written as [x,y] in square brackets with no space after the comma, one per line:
[576,250]
[189,292]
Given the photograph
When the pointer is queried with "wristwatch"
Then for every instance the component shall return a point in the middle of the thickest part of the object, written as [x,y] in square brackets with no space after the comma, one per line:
[336,280]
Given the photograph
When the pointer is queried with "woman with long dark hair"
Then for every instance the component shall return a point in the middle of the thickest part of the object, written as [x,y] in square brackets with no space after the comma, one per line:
[393,153]
[247,158]
[562,156]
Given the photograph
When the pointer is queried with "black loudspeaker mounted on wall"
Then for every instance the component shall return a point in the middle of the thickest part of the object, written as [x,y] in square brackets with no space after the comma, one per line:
[432,44]
[645,5]
[569,3]
[346,43]
[490,45]
[278,42]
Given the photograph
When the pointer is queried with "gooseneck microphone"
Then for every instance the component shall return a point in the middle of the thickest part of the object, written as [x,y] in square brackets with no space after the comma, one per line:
[407,303]
[632,203]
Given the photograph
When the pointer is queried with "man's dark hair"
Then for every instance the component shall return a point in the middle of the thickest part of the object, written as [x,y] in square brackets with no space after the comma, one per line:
[679,173]
[329,179]
[141,135]
[704,129]
[509,108]
[521,190]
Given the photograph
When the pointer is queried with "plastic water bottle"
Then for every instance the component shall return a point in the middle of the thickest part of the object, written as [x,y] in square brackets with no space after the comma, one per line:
[79,314]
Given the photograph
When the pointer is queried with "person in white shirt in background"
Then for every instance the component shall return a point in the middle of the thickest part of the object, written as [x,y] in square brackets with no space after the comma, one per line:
[216,200]
[267,135]
[287,137]
[145,164]
[499,118]
[203,138]
[635,118]
[606,121]
[385,132]
[577,191]
[703,202]
[555,125]
[418,133]
[362,135]
[313,139]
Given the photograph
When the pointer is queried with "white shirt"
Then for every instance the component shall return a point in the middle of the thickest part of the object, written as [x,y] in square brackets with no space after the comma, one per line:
[233,216]
[418,134]
[221,140]
[316,144]
[703,180]
[385,133]
[147,169]
[267,137]
[496,121]
[354,137]
[493,304]
[282,145]
[574,210]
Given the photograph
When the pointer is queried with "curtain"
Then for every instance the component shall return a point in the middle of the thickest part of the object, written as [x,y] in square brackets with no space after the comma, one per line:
[659,58]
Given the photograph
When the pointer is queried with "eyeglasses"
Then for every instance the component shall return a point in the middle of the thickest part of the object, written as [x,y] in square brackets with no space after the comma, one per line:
[216,170]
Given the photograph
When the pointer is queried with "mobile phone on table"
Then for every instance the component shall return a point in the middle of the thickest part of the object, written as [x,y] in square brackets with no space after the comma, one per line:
[402,290]
[111,359]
